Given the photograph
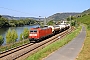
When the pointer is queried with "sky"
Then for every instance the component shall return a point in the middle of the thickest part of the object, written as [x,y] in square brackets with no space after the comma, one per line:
[43,8]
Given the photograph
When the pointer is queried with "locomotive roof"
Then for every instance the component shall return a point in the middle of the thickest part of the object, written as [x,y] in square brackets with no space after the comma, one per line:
[41,28]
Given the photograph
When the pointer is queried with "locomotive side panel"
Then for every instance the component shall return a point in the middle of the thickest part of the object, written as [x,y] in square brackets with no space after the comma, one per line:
[37,34]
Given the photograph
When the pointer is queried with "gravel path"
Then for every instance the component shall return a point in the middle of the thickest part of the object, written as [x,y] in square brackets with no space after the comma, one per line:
[71,50]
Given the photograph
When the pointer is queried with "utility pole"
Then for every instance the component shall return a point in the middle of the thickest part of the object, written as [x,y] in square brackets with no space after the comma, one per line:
[39,20]
[76,21]
[70,22]
[23,39]
[45,21]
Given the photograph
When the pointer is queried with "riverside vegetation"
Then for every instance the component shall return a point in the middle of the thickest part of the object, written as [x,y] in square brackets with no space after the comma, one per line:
[11,35]
[1,40]
[11,39]
[4,22]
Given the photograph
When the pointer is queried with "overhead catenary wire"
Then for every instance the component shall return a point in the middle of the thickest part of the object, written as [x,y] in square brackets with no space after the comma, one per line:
[17,11]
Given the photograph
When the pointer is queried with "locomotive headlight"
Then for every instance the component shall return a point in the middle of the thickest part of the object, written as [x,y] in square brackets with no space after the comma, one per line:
[32,34]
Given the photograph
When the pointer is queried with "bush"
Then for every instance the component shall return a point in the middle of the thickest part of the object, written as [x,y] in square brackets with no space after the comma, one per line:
[11,36]
[50,22]
[1,40]
[8,36]
[21,36]
[88,26]
[72,23]
[14,35]
[25,34]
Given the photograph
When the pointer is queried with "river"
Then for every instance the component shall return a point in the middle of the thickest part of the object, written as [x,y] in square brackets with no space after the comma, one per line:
[19,30]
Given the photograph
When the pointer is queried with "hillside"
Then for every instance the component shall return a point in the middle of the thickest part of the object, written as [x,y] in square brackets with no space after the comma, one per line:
[86,11]
[18,18]
[56,17]
[61,16]
[85,19]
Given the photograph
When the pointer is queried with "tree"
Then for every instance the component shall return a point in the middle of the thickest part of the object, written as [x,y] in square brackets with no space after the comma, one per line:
[8,36]
[14,35]
[3,22]
[68,19]
[24,34]
[1,40]
[11,36]
[21,36]
[0,16]
[71,18]
[50,22]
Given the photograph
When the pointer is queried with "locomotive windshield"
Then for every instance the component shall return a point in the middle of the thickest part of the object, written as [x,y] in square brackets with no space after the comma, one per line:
[33,31]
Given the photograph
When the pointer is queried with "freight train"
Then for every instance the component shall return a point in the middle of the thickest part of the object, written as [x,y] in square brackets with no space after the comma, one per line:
[38,34]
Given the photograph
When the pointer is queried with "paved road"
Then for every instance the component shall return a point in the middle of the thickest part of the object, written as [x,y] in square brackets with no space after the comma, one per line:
[71,50]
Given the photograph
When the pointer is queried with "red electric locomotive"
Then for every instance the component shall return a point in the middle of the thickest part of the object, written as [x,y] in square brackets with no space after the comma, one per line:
[36,34]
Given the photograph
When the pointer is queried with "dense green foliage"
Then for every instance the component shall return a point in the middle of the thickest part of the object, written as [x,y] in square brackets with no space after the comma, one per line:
[71,18]
[14,35]
[8,36]
[1,40]
[85,20]
[24,34]
[3,22]
[15,23]
[21,22]
[21,36]
[50,22]
[11,36]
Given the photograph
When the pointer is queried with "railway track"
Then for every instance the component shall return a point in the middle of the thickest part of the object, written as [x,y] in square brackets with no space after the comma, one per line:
[14,50]
[25,50]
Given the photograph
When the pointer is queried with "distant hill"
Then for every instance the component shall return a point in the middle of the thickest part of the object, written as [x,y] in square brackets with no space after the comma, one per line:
[61,16]
[18,18]
[86,11]
[55,17]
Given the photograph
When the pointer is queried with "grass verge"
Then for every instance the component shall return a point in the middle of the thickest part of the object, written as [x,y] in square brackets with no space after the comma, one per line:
[85,52]
[13,45]
[54,46]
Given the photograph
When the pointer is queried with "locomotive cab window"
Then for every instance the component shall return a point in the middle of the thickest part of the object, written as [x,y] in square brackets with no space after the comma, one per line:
[33,31]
